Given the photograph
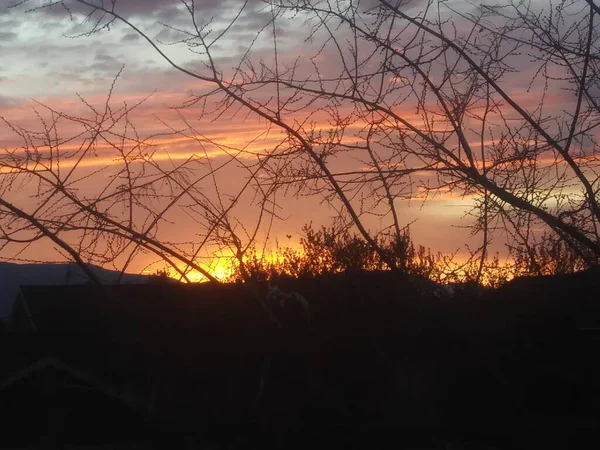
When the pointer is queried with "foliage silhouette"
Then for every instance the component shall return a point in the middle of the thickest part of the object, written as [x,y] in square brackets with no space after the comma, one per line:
[329,251]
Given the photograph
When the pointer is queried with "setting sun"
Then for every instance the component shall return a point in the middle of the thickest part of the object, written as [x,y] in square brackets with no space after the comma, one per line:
[221,268]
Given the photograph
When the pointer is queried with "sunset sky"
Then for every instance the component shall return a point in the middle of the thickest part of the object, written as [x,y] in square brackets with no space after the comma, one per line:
[45,60]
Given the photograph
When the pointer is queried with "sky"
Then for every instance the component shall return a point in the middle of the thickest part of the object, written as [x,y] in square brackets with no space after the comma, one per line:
[49,64]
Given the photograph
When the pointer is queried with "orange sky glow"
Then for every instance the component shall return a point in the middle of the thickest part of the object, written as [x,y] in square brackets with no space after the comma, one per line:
[54,103]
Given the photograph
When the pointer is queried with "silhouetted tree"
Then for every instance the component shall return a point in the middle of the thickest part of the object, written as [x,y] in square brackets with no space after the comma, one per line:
[427,98]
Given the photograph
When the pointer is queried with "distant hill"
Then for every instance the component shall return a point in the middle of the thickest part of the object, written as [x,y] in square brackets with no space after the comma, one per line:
[14,275]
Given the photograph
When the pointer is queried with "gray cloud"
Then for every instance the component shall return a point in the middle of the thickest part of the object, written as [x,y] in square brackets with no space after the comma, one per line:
[7,36]
[104,65]
[105,58]
[130,37]
[9,102]
[145,7]
[162,9]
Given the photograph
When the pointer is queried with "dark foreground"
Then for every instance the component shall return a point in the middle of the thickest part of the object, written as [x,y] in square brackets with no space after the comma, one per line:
[379,365]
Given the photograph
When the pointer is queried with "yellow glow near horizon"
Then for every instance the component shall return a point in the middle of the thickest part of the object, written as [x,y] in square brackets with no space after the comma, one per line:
[457,267]
[220,268]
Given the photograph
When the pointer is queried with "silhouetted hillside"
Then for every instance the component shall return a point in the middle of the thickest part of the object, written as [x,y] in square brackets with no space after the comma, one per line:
[14,275]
